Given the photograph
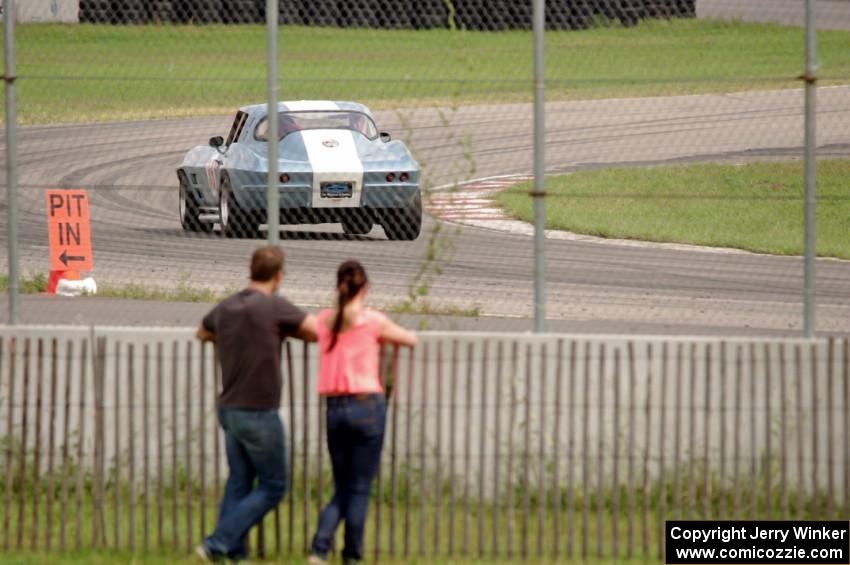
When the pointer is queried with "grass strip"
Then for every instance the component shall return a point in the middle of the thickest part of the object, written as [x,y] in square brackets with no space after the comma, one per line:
[428,539]
[432,547]
[37,283]
[81,73]
[182,292]
[139,558]
[755,206]
[27,284]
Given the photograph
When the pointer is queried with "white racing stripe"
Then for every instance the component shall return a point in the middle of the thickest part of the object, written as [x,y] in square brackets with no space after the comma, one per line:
[333,158]
[305,105]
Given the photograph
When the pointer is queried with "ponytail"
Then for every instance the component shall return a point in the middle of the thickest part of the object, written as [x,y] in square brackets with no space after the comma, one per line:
[350,279]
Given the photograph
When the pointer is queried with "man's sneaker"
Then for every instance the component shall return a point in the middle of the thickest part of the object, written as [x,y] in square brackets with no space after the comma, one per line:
[316,560]
[204,555]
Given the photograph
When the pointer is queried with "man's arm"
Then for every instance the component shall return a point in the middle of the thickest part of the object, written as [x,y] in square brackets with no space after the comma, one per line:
[204,334]
[309,329]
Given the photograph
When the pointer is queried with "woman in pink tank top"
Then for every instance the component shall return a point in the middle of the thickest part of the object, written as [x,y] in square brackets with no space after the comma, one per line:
[350,337]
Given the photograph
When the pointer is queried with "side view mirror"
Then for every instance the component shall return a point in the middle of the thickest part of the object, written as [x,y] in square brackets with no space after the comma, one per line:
[385,137]
[216,141]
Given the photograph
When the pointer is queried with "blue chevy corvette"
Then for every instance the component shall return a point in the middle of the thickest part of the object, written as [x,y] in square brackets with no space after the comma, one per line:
[334,165]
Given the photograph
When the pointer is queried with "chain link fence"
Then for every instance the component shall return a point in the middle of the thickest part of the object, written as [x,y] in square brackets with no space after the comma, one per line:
[674,132]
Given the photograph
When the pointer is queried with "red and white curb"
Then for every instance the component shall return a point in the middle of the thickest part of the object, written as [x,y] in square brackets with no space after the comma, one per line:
[473,203]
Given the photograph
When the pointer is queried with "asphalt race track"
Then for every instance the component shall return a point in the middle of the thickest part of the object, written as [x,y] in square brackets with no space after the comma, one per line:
[830,14]
[128,168]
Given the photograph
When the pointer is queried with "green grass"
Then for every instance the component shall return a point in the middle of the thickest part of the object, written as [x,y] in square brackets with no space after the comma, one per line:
[426,308]
[89,72]
[756,206]
[104,557]
[420,525]
[182,292]
[587,517]
[423,533]
[29,284]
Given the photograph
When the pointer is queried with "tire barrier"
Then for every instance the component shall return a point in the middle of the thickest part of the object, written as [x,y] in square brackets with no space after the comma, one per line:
[475,15]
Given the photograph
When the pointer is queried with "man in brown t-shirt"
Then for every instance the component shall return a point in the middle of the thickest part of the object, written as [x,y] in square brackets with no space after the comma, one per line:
[249,328]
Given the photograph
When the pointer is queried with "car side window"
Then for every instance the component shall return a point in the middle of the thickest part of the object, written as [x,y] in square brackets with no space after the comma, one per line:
[236,128]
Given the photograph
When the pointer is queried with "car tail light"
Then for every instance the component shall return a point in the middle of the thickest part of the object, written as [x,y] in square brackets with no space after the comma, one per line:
[284,178]
[390,177]
[403,177]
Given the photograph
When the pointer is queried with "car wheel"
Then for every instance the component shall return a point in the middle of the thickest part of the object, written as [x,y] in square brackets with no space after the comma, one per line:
[356,224]
[235,222]
[406,223]
[189,211]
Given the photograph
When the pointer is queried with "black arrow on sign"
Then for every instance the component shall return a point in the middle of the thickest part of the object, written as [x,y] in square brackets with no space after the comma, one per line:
[65,258]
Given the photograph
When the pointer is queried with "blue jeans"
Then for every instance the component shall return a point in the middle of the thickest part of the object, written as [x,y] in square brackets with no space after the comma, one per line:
[256,449]
[355,437]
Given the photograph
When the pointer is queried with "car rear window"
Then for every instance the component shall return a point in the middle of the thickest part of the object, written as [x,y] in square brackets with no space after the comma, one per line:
[296,121]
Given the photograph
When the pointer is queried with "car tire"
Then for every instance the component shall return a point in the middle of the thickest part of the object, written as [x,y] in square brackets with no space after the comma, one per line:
[234,221]
[404,224]
[356,224]
[189,210]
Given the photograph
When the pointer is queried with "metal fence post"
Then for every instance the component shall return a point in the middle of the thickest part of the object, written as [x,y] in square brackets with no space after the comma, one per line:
[11,156]
[272,196]
[539,163]
[810,79]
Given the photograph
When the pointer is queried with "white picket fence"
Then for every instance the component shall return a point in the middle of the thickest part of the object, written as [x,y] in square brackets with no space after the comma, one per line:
[496,443]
